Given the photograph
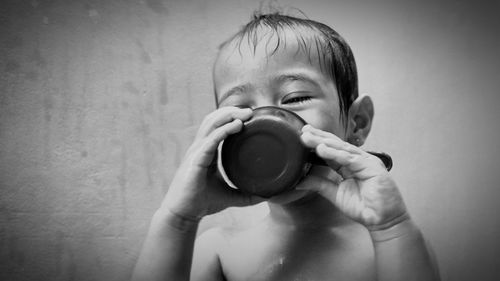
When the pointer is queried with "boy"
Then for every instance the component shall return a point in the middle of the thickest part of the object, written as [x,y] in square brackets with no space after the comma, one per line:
[344,223]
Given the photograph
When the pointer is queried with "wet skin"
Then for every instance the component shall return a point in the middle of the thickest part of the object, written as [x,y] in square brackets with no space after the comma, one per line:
[304,237]
[334,249]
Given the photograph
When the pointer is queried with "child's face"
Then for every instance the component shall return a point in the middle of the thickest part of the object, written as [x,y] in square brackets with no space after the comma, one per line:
[289,78]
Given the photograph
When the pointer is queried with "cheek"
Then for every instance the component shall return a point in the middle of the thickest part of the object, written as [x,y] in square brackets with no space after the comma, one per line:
[329,122]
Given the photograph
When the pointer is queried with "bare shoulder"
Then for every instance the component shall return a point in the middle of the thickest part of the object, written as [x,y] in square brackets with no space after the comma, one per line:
[211,242]
[206,257]
[217,237]
[210,237]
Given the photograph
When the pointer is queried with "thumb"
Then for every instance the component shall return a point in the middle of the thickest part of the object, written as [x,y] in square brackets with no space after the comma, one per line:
[326,185]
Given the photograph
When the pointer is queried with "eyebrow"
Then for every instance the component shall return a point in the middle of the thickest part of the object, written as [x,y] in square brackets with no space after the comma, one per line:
[294,77]
[235,91]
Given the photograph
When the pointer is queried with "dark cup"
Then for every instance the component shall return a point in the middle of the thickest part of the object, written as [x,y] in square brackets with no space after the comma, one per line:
[267,156]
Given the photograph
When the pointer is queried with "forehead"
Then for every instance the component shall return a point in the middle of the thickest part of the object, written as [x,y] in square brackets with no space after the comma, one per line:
[267,49]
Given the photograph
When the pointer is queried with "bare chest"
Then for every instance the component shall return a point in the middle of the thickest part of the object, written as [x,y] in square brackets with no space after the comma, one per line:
[299,256]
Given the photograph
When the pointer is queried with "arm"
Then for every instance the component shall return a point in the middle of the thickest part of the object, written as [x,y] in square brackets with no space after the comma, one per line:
[196,190]
[401,253]
[364,191]
[171,236]
[168,248]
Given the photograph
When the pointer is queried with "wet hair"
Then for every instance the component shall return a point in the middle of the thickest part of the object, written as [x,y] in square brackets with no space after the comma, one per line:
[335,56]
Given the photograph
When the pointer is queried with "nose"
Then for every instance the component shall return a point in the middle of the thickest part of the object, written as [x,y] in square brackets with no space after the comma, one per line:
[263,101]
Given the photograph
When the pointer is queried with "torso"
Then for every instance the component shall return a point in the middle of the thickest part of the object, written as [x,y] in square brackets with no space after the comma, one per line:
[269,251]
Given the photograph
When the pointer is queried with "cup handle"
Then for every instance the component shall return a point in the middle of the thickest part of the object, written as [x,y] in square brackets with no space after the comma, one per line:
[386,159]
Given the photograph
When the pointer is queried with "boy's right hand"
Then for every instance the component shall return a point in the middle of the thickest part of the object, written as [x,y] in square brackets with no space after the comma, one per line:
[197,189]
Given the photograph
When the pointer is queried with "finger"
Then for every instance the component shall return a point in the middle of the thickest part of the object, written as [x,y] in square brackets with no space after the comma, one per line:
[327,173]
[211,142]
[326,187]
[334,141]
[220,117]
[310,128]
[314,138]
[359,166]
[337,159]
[352,154]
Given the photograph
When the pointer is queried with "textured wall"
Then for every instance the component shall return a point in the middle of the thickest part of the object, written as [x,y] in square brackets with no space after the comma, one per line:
[99,100]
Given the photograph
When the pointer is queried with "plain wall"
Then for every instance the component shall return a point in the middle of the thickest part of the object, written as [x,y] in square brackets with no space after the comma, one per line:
[100,99]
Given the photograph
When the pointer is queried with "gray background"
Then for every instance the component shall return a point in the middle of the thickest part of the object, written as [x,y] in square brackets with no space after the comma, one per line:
[100,99]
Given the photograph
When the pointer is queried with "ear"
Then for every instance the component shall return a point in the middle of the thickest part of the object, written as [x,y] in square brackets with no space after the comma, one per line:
[360,120]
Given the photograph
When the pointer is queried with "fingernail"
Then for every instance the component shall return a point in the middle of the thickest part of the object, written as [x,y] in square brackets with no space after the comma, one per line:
[306,127]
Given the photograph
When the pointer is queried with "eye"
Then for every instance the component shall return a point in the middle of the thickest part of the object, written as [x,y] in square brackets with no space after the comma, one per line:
[300,99]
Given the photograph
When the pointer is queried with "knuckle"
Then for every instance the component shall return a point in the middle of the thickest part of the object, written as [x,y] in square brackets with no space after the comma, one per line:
[224,134]
[211,142]
[207,120]
[320,148]
[329,142]
[227,110]
[345,146]
[195,145]
[211,115]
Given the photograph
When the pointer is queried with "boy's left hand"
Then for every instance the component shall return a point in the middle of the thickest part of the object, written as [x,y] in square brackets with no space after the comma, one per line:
[365,192]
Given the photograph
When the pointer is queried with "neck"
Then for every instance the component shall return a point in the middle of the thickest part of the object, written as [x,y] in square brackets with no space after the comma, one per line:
[311,211]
